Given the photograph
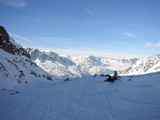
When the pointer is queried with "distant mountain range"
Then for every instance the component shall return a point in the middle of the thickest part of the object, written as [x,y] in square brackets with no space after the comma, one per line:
[80,65]
[23,65]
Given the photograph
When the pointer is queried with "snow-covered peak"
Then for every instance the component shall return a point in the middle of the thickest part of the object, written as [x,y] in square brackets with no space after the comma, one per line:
[146,65]
[49,56]
[54,64]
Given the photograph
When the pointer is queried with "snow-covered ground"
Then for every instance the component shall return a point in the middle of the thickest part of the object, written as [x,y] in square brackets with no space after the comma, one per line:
[87,98]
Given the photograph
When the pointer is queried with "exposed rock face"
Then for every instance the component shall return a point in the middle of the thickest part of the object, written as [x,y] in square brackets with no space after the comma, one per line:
[16,66]
[8,46]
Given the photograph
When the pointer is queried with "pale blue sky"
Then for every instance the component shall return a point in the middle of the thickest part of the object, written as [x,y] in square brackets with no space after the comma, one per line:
[115,26]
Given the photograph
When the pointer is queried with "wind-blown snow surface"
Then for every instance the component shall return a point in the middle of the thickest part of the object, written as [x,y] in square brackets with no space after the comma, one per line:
[88,98]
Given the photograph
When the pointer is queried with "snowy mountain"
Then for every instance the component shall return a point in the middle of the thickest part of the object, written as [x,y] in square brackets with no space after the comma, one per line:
[91,64]
[102,65]
[58,66]
[76,66]
[146,65]
[23,65]
[16,67]
[122,65]
[84,97]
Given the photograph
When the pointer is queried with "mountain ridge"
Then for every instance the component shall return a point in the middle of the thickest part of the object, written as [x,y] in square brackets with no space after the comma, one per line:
[19,63]
[16,67]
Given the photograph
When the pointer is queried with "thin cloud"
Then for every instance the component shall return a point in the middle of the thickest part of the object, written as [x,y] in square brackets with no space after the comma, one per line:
[152,45]
[14,3]
[128,35]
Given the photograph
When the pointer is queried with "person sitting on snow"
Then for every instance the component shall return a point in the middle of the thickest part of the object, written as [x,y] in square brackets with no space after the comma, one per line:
[112,78]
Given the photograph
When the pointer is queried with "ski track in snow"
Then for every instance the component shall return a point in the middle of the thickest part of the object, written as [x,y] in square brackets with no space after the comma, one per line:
[85,99]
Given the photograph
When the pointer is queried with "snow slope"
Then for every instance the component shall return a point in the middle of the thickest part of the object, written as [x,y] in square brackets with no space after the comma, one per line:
[18,70]
[146,65]
[16,67]
[88,98]
[56,65]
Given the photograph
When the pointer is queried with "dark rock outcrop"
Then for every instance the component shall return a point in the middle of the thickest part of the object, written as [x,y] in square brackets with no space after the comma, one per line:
[8,46]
